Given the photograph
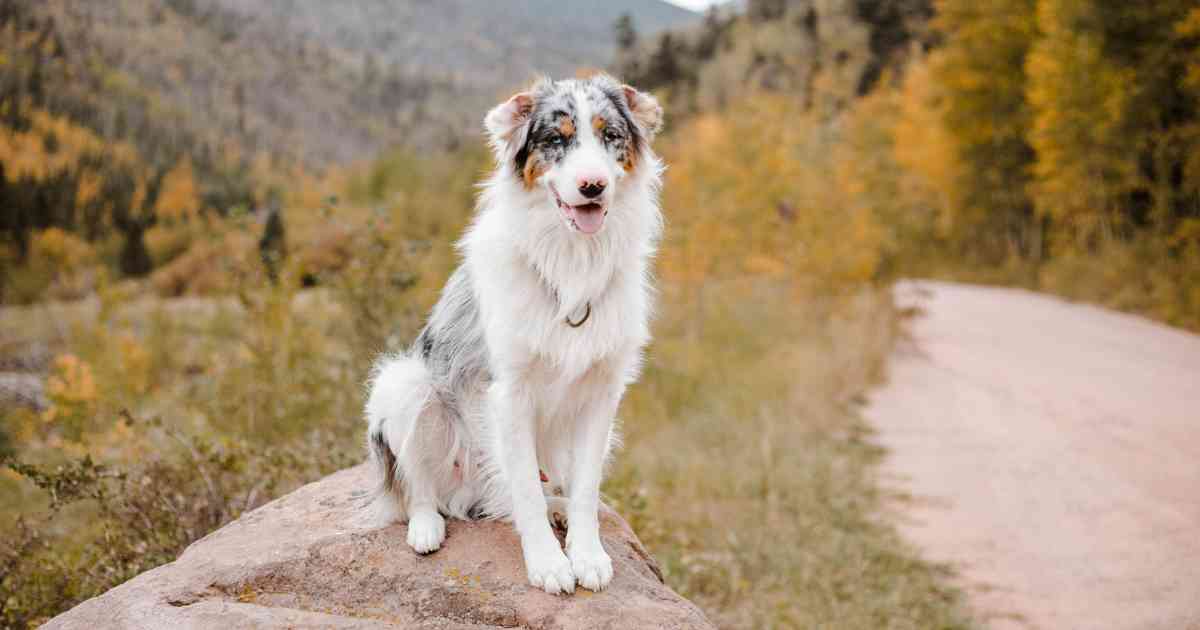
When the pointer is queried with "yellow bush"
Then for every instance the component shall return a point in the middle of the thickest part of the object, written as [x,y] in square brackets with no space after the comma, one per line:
[210,266]
[62,250]
[135,364]
[71,392]
[59,265]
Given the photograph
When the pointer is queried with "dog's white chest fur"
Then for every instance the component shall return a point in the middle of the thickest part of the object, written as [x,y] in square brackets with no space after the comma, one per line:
[528,295]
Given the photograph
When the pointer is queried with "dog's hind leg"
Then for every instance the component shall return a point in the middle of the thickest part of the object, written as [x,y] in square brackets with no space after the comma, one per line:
[413,445]
[426,527]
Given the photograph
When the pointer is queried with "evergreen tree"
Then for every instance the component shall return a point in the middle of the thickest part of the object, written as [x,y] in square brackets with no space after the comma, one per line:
[626,33]
[272,246]
[663,67]
[133,212]
[766,10]
[712,32]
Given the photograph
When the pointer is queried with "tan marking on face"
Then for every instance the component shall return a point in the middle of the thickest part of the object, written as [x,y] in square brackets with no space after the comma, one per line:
[629,159]
[534,168]
[566,127]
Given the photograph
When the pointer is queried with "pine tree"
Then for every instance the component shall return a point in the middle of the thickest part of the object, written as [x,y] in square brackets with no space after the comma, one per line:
[626,33]
[663,67]
[272,246]
[766,10]
[712,32]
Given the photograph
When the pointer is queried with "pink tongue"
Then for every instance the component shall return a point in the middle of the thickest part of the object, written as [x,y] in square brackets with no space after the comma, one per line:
[588,219]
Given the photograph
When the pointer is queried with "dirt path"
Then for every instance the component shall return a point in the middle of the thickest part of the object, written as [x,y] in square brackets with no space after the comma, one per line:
[1053,451]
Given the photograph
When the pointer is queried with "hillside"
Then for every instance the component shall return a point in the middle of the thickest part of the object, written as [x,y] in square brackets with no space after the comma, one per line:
[114,115]
[335,82]
[480,47]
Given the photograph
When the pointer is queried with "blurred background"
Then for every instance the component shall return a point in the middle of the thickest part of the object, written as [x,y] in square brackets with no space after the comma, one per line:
[215,213]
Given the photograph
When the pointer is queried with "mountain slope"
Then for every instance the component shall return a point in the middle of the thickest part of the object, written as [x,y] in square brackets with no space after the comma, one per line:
[335,82]
[115,113]
[476,44]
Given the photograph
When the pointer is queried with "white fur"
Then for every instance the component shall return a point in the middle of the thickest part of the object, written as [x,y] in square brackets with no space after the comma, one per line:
[553,392]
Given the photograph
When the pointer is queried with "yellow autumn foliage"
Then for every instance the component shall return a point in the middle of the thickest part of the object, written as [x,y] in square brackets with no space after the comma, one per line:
[135,364]
[72,395]
[755,192]
[179,197]
[62,250]
[1080,101]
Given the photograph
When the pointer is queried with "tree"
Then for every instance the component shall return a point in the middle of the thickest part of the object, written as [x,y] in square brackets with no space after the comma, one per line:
[239,102]
[663,67]
[133,203]
[626,33]
[272,246]
[712,33]
[980,73]
[1079,102]
[766,10]
[1114,123]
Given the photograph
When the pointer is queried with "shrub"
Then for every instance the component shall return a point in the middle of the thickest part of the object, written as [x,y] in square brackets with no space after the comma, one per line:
[59,265]
[139,515]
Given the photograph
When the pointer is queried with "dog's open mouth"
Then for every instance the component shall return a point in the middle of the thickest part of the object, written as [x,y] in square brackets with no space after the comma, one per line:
[587,218]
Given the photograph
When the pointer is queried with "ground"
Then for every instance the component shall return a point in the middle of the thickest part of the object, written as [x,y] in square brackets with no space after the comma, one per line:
[1051,453]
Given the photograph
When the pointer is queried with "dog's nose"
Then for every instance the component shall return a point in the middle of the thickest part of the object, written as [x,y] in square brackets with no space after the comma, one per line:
[592,188]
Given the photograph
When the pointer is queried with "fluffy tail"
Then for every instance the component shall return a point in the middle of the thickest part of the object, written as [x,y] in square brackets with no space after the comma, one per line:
[401,394]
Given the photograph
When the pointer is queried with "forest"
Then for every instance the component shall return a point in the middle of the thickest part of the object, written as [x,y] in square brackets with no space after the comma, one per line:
[190,301]
[1049,144]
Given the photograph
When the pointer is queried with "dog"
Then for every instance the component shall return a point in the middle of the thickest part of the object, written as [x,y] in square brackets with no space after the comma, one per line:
[505,405]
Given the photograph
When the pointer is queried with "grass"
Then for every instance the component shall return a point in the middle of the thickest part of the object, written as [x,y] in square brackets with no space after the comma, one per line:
[751,476]
[746,469]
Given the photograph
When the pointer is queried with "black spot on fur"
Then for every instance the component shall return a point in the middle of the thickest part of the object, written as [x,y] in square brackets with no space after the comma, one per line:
[550,107]
[617,97]
[522,157]
[387,459]
[425,341]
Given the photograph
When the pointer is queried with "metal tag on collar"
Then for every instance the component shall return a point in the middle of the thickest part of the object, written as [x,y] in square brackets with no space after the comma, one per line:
[586,315]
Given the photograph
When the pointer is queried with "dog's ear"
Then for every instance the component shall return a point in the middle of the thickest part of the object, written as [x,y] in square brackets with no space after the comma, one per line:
[647,113]
[507,125]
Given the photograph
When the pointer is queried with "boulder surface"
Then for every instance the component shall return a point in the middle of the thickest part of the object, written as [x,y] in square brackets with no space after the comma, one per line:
[306,560]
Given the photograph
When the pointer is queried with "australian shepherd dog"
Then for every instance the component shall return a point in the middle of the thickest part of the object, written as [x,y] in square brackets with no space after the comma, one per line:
[504,407]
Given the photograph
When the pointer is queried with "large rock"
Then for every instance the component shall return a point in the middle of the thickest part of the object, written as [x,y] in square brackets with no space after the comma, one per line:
[305,561]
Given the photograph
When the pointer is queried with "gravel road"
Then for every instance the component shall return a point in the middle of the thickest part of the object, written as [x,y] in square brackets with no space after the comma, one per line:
[1052,451]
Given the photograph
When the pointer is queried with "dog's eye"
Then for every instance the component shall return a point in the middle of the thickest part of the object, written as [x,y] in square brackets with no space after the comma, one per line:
[556,140]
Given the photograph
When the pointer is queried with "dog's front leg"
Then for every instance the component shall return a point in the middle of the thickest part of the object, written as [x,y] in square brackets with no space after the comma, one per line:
[592,566]
[545,564]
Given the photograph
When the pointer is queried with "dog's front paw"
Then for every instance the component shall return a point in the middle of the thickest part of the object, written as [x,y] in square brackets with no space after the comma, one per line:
[549,570]
[592,566]
[426,531]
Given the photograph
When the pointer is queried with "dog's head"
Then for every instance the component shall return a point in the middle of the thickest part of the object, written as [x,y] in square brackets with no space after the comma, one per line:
[577,141]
